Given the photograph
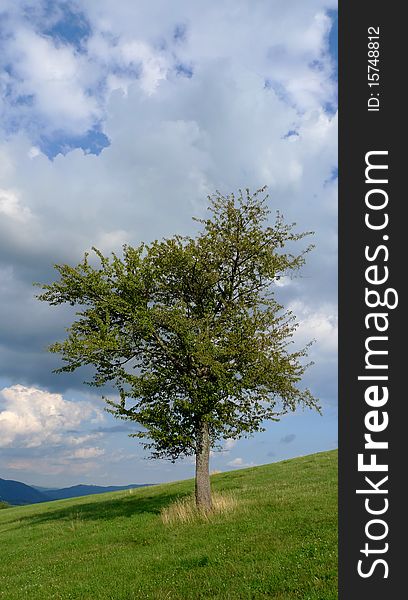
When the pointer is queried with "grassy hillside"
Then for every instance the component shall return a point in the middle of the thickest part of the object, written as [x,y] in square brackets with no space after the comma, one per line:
[281,541]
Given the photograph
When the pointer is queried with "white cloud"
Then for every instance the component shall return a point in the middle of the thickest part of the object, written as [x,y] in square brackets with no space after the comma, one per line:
[54,87]
[10,206]
[239,462]
[78,439]
[49,461]
[51,80]
[31,417]
[111,240]
[153,66]
[51,466]
[319,323]
[86,453]
[33,152]
[229,444]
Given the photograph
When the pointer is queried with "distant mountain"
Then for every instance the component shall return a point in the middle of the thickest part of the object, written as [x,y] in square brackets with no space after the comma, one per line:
[86,490]
[15,492]
[42,489]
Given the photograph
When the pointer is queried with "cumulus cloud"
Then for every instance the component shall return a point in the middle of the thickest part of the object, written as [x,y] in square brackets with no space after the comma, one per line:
[90,452]
[320,324]
[229,444]
[62,83]
[239,462]
[31,417]
[10,206]
[48,82]
[166,156]
[190,101]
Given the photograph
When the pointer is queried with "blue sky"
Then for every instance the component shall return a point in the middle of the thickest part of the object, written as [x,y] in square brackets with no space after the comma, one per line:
[116,122]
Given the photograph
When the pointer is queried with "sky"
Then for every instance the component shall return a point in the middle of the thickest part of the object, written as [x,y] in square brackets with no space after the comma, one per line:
[117,119]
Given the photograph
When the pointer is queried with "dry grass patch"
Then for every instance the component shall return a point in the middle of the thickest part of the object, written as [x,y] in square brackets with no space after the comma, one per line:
[185,510]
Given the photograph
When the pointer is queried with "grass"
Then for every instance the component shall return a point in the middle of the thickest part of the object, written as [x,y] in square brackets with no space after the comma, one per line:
[184,510]
[278,541]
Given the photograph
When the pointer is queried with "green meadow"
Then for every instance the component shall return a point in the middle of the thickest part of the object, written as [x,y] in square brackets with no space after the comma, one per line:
[279,541]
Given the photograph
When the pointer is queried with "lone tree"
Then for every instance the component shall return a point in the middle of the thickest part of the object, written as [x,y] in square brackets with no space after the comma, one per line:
[189,332]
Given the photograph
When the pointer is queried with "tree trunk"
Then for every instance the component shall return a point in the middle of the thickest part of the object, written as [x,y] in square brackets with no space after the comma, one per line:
[202,479]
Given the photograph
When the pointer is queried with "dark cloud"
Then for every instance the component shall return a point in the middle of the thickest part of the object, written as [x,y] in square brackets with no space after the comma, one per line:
[288,439]
[118,429]
[173,140]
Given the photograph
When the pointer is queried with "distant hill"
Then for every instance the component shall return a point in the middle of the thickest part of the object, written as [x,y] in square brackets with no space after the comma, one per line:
[18,493]
[86,490]
[15,492]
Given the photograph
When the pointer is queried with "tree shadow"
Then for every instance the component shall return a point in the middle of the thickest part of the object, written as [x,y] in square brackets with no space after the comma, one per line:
[102,510]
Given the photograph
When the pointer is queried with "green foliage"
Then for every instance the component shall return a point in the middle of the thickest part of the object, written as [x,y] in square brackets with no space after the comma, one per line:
[188,329]
[4,504]
[279,542]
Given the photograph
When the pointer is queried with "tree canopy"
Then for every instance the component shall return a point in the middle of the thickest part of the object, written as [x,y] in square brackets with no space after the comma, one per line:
[188,329]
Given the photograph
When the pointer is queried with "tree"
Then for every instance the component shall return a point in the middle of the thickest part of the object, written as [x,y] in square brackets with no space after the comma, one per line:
[189,332]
